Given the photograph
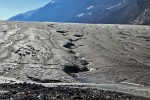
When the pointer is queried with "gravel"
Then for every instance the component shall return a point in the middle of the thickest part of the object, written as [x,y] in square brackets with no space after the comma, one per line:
[27,91]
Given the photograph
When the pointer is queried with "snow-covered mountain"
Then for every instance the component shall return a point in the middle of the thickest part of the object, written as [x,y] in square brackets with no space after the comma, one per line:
[84,11]
[68,10]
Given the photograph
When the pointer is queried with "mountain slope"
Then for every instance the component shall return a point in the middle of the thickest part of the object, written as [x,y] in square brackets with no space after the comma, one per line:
[66,10]
[91,11]
[125,15]
[144,15]
[136,12]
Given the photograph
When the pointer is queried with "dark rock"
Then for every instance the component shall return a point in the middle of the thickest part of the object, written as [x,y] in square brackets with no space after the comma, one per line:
[63,31]
[77,35]
[68,45]
[71,69]
[84,62]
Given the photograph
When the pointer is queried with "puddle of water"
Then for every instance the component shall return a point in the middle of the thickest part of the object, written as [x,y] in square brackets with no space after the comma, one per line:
[89,80]
[111,86]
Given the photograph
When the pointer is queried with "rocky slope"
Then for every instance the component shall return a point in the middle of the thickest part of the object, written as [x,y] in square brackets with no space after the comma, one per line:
[144,15]
[136,12]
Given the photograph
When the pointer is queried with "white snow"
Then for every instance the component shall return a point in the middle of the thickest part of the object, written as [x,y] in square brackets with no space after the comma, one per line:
[90,7]
[53,1]
[80,15]
[90,13]
[114,6]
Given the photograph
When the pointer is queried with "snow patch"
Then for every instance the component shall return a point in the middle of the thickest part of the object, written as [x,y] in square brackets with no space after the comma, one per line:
[115,6]
[80,15]
[53,2]
[90,7]
[90,13]
[83,14]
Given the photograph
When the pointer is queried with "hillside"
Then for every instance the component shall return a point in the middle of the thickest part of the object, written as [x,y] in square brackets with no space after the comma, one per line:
[90,11]
[144,15]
